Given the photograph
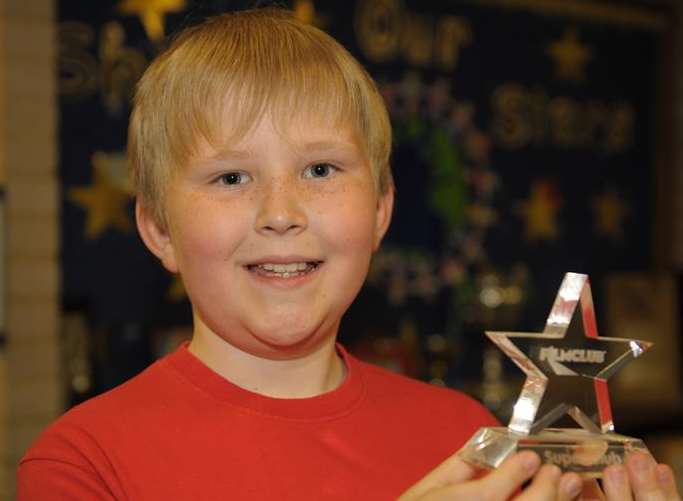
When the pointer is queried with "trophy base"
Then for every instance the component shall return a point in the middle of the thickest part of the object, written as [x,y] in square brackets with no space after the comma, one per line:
[572,449]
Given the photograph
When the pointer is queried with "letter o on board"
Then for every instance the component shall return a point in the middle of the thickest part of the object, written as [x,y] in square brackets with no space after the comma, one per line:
[378,26]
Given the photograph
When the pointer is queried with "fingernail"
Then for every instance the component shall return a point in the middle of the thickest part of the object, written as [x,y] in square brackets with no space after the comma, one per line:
[617,475]
[641,463]
[571,486]
[531,462]
[664,475]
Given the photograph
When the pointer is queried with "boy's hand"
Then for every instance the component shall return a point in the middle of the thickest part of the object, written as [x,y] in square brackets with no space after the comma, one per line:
[455,480]
[641,479]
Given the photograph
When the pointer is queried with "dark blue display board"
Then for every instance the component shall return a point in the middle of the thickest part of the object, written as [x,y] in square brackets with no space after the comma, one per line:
[524,148]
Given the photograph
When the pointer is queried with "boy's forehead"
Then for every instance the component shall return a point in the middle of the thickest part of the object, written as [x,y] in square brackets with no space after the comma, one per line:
[302,133]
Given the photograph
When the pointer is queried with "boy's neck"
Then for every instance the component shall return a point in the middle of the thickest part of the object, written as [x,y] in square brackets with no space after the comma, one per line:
[313,374]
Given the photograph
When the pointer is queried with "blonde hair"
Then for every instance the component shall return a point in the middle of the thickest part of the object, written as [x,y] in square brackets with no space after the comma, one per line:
[250,63]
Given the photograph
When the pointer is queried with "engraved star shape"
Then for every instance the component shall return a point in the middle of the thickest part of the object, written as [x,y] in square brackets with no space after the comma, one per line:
[560,357]
[104,201]
[540,212]
[151,13]
[610,212]
[570,56]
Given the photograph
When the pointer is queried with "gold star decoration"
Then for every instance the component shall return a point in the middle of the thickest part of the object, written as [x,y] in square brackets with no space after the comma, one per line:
[570,56]
[104,201]
[151,13]
[540,212]
[304,11]
[176,291]
[609,211]
[481,215]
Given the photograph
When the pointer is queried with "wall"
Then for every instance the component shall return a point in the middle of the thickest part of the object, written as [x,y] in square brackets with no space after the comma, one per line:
[30,382]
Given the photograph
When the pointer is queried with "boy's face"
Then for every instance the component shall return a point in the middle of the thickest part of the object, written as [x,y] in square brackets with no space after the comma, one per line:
[273,237]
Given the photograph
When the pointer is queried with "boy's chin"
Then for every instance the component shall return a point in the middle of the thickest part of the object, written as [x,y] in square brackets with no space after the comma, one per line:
[288,345]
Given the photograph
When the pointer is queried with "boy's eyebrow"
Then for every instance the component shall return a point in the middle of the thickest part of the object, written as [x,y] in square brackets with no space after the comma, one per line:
[328,145]
[229,153]
[333,147]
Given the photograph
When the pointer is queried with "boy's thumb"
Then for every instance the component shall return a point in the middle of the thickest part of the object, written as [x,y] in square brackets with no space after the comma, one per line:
[452,471]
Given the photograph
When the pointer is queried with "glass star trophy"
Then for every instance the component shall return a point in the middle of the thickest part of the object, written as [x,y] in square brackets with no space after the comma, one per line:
[567,367]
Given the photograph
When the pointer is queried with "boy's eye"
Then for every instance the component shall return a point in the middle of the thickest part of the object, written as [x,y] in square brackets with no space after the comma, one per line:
[232,178]
[319,170]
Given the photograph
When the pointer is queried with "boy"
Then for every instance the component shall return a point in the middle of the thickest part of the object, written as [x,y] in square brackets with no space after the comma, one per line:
[260,153]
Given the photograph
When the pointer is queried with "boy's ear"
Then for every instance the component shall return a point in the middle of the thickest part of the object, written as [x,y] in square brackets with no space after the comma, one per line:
[385,208]
[156,237]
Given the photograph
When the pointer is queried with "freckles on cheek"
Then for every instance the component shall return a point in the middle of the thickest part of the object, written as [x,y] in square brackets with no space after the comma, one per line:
[204,229]
[191,244]
[354,236]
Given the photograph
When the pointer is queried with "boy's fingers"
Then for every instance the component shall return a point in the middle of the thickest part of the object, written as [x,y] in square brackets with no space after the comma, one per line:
[667,482]
[616,484]
[509,477]
[592,491]
[498,485]
[451,480]
[452,471]
[642,472]
[570,488]
[544,486]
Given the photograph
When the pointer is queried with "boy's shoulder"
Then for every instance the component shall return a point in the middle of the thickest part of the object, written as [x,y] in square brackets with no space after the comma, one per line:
[142,391]
[399,391]
[78,451]
[110,412]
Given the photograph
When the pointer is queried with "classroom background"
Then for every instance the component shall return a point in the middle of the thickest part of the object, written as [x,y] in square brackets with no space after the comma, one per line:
[532,138]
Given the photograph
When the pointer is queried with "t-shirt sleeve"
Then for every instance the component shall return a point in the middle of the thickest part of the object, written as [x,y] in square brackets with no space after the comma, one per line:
[66,463]
[54,480]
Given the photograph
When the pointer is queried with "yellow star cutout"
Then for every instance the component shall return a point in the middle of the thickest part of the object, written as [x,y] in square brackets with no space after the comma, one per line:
[480,215]
[540,212]
[151,13]
[304,11]
[105,203]
[609,212]
[570,56]
[176,291]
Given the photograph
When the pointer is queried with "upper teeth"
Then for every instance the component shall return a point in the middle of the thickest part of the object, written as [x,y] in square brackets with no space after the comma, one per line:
[284,268]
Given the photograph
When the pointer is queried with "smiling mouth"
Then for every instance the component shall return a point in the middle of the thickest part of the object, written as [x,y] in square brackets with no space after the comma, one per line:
[279,270]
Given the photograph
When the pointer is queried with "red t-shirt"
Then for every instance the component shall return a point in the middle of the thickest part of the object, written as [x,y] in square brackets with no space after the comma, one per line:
[180,431]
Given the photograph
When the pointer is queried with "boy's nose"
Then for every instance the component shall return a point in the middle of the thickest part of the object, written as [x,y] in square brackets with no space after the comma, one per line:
[280,211]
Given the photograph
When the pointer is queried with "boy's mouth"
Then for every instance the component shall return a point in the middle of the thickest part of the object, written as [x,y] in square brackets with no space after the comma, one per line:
[280,270]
